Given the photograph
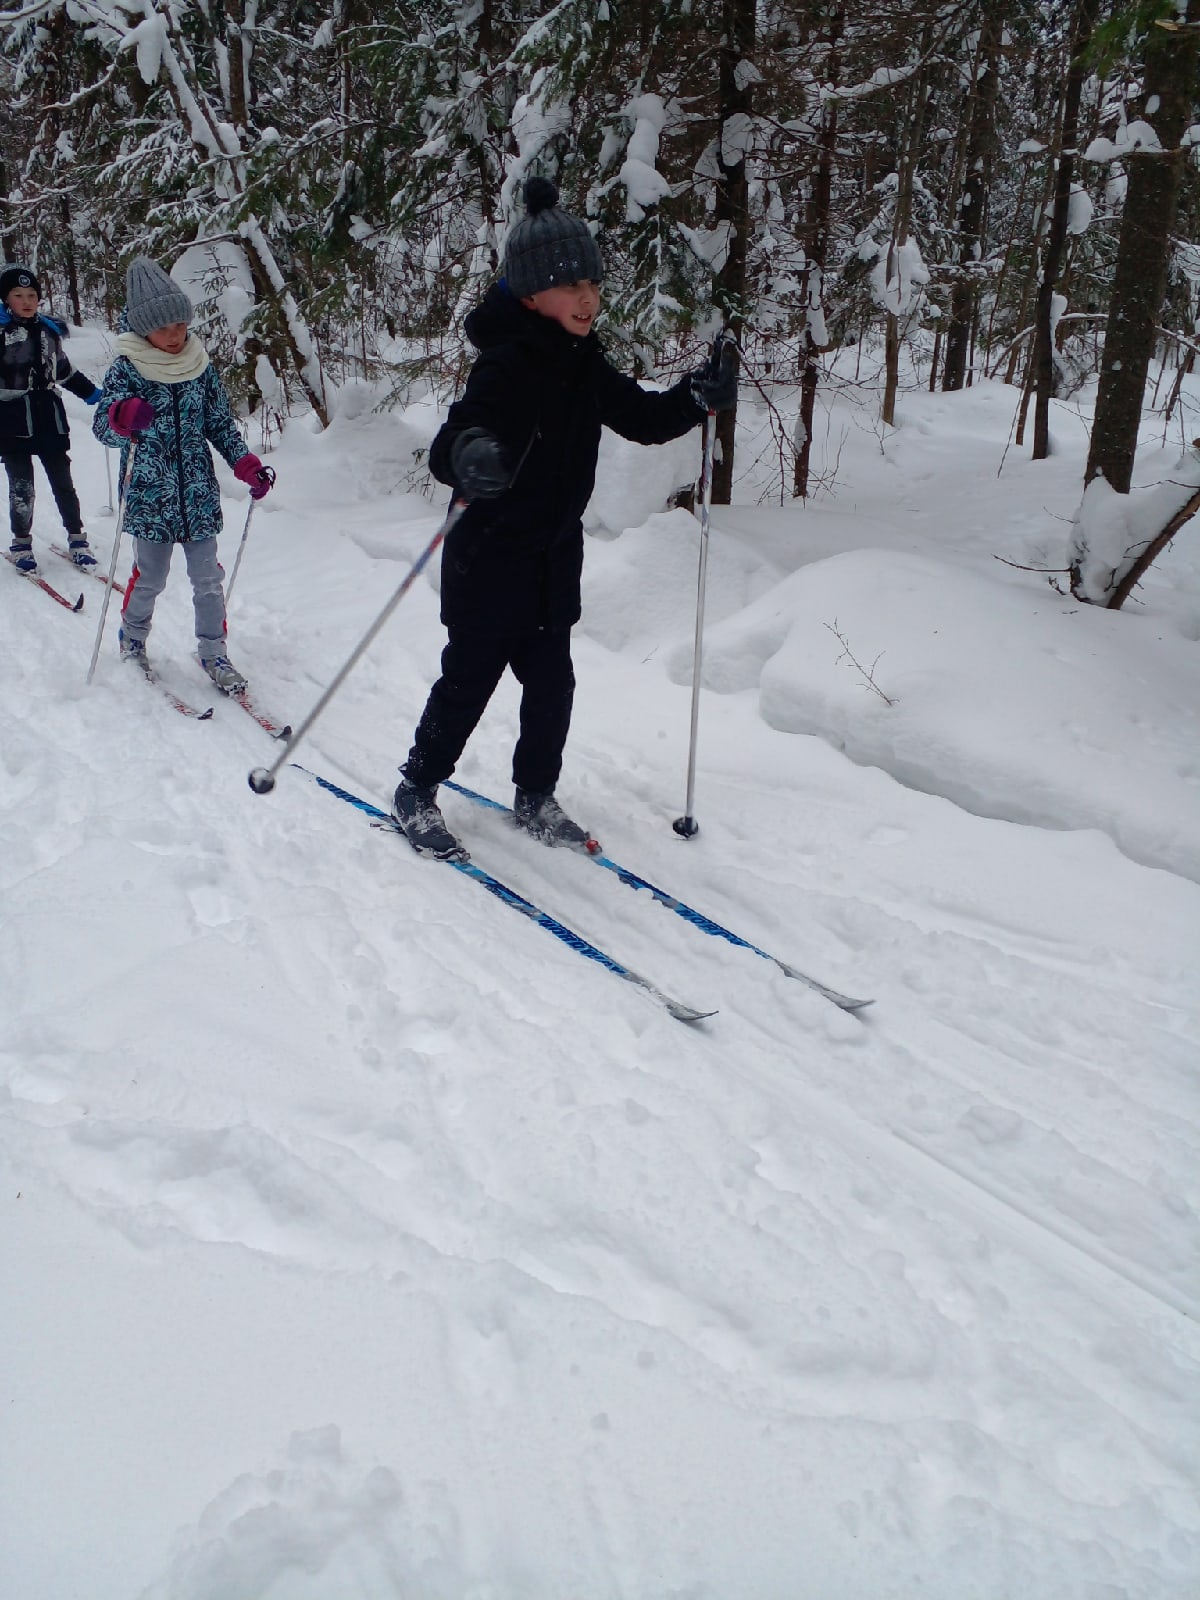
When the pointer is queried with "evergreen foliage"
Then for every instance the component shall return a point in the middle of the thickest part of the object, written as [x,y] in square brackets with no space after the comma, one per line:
[350,170]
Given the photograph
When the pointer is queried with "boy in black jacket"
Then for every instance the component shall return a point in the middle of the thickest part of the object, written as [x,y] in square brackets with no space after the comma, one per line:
[32,419]
[520,447]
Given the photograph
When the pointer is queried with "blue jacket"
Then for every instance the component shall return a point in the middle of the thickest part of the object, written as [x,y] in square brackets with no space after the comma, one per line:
[173,495]
[32,363]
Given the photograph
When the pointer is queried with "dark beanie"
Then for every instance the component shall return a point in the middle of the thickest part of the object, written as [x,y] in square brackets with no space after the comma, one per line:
[547,247]
[14,277]
[153,299]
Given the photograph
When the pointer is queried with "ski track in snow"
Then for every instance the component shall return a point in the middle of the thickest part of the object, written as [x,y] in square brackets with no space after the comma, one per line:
[506,1285]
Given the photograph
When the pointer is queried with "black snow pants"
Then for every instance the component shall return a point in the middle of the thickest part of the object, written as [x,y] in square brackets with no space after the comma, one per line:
[472,666]
[57,464]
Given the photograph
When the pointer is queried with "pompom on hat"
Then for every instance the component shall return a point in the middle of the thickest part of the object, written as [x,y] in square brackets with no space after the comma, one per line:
[153,299]
[17,277]
[547,246]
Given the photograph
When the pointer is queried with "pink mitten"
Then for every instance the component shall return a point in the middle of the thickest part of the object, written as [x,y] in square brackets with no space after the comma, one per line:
[257,478]
[130,416]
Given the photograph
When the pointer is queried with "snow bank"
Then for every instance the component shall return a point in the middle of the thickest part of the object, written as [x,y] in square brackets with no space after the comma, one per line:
[1008,699]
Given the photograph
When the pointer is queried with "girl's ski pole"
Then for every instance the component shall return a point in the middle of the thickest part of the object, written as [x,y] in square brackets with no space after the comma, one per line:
[112,565]
[686,826]
[242,546]
[262,779]
[107,510]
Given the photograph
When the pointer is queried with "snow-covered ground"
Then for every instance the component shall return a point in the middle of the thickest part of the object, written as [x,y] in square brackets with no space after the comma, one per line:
[362,1242]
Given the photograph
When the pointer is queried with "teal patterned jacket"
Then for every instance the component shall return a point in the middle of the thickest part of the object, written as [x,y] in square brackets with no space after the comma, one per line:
[173,495]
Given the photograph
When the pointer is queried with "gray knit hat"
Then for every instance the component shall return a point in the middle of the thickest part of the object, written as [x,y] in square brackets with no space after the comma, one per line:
[152,298]
[547,247]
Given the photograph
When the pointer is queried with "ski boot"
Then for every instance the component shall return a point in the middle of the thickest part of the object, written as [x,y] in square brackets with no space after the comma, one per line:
[80,552]
[134,650]
[224,674]
[543,817]
[422,824]
[24,559]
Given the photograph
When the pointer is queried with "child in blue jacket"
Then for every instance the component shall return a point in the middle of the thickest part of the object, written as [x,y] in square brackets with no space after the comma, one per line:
[32,419]
[163,392]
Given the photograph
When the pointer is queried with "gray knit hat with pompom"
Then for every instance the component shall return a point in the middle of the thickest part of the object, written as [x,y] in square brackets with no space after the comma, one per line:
[153,299]
[547,247]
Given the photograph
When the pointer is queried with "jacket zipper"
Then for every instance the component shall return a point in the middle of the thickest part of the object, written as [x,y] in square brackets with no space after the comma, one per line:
[179,457]
[533,438]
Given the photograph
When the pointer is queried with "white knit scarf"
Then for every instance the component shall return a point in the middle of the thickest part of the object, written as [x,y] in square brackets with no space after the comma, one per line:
[157,365]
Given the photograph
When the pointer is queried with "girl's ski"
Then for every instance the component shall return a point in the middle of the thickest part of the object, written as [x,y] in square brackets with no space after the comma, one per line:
[172,699]
[277,730]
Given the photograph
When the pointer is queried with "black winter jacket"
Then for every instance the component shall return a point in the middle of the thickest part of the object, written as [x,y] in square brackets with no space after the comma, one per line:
[512,565]
[33,420]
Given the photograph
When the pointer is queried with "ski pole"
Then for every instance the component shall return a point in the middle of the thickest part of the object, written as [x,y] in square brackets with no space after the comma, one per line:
[242,546]
[107,510]
[112,565]
[686,826]
[262,779]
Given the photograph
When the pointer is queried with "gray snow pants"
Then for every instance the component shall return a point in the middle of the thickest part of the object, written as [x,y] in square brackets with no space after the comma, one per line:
[151,564]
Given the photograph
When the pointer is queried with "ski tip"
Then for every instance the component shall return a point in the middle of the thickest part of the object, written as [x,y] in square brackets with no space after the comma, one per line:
[78,606]
[205,715]
[688,1013]
[284,734]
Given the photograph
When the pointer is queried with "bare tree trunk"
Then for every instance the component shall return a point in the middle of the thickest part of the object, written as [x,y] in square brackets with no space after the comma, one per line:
[1140,278]
[9,248]
[736,94]
[1043,348]
[908,166]
[1186,368]
[817,255]
[1029,281]
[964,293]
[891,362]
[237,58]
[70,261]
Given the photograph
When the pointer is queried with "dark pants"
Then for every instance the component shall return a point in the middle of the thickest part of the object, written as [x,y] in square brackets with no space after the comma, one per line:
[472,666]
[57,466]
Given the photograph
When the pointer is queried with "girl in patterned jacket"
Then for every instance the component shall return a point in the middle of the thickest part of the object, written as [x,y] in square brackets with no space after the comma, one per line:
[32,419]
[163,392]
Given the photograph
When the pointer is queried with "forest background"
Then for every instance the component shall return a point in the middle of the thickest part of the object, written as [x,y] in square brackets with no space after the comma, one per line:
[979,188]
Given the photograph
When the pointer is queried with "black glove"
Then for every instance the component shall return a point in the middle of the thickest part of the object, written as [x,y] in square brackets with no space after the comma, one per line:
[478,464]
[715,386]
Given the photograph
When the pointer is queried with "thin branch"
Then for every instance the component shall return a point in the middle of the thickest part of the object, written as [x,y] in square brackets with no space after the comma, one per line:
[868,677]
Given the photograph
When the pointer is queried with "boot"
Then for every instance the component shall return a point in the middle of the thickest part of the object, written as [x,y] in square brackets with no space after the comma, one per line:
[224,674]
[543,817]
[80,553]
[416,810]
[133,650]
[23,557]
